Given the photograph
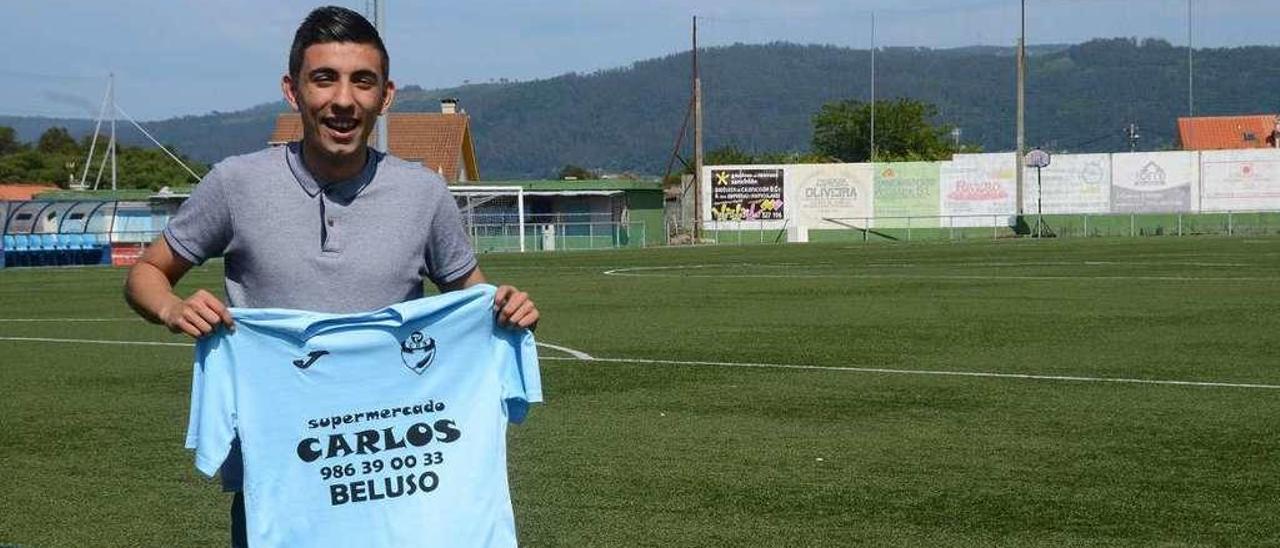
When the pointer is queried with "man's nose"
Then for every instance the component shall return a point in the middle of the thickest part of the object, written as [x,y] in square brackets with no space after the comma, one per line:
[344,97]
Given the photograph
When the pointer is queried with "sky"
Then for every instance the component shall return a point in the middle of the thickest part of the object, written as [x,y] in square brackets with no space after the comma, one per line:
[186,57]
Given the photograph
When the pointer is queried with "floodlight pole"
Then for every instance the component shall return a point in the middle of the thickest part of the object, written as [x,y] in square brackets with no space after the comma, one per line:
[1191,83]
[873,86]
[381,141]
[111,90]
[1022,52]
[697,138]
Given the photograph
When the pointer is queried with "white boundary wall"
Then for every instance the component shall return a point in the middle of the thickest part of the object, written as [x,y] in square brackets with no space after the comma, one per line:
[984,184]
[1073,183]
[977,184]
[1155,182]
[1240,180]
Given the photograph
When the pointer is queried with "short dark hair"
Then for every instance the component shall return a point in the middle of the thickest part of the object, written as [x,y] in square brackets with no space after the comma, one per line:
[335,24]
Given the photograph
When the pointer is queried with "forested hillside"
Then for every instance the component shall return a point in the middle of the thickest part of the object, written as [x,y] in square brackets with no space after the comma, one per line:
[761,98]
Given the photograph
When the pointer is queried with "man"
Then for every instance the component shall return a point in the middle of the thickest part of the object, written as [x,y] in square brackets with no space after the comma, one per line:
[325,224]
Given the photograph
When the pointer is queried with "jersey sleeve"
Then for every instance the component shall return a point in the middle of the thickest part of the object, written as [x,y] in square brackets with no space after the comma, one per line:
[521,379]
[449,253]
[211,427]
[201,229]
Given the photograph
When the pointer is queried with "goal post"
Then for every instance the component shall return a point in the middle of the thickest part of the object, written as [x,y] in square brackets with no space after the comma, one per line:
[489,212]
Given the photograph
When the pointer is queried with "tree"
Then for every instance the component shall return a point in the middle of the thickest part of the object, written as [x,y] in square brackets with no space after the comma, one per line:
[9,143]
[842,129]
[580,173]
[727,155]
[56,140]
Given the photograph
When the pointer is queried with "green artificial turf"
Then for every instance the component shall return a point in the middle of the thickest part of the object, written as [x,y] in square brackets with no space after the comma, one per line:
[790,395]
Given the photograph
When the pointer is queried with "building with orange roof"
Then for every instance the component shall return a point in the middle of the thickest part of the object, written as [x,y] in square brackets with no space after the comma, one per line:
[1229,132]
[441,141]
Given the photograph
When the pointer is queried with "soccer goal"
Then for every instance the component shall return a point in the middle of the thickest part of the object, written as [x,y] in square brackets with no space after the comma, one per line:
[493,216]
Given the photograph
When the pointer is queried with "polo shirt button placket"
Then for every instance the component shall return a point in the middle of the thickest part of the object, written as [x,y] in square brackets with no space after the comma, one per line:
[332,242]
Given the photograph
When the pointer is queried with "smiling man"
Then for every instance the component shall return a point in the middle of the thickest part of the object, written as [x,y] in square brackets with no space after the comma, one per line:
[325,224]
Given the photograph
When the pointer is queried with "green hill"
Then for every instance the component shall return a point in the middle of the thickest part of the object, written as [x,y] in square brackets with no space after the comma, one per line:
[760,98]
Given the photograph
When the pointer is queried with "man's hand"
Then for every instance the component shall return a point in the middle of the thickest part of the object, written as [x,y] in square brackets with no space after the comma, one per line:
[197,315]
[514,308]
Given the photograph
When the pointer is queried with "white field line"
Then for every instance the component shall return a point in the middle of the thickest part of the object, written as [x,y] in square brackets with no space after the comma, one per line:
[66,320]
[649,272]
[581,356]
[578,355]
[980,374]
[93,341]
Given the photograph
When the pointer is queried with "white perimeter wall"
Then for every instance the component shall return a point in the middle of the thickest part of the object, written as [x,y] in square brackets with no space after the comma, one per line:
[980,189]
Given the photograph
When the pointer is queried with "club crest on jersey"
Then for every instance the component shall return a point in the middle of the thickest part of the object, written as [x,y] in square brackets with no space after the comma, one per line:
[417,351]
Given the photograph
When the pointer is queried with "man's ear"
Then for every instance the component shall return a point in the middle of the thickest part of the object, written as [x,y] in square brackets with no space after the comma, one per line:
[389,98]
[290,92]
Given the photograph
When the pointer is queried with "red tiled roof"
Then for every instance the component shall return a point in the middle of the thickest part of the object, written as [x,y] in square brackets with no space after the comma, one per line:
[1227,132]
[441,142]
[18,192]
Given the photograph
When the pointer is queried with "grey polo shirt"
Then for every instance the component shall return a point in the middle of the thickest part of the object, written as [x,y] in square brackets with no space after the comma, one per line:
[349,246]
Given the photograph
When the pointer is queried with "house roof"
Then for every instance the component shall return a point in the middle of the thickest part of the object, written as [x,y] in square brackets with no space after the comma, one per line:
[20,192]
[441,142]
[1226,132]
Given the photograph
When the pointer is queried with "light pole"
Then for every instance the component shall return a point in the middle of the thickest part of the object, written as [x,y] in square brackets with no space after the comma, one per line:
[1022,52]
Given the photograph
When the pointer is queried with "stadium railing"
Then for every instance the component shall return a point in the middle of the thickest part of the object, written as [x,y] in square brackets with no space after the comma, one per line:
[984,227]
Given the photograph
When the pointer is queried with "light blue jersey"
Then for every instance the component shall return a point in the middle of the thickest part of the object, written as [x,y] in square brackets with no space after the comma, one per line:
[378,429]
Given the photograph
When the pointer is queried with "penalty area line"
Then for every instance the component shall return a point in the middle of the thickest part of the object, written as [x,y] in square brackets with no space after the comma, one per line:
[887,371]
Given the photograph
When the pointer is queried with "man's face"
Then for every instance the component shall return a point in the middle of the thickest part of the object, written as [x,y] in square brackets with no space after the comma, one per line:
[340,91]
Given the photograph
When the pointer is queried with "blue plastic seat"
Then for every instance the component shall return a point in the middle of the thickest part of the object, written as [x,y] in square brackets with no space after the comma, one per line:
[10,250]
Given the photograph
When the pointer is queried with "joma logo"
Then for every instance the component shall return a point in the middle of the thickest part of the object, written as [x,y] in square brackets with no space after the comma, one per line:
[303,363]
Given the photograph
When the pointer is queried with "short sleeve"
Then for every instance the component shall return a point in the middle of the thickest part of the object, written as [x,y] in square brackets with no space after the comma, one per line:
[211,427]
[449,253]
[521,379]
[201,229]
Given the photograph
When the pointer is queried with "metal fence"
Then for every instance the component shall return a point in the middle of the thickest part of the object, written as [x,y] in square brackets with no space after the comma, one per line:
[984,227]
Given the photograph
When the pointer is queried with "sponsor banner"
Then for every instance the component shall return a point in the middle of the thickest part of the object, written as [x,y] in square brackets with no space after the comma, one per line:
[1073,183]
[746,193]
[126,254]
[906,189]
[978,190]
[1154,182]
[1240,180]
[816,192]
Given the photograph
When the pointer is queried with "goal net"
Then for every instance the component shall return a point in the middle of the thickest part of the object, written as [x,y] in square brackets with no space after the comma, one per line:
[493,216]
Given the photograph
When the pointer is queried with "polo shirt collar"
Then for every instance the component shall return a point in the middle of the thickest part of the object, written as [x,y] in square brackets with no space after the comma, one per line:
[339,190]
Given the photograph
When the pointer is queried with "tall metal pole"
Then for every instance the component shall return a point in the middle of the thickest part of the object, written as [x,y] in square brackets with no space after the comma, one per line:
[873,86]
[111,86]
[380,139]
[1191,83]
[1022,53]
[697,138]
